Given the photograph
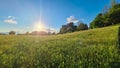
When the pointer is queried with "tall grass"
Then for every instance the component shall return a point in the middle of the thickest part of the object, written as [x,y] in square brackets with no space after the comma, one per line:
[95,48]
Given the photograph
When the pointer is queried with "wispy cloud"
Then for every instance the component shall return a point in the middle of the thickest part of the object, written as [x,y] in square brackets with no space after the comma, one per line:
[72,19]
[53,30]
[10,20]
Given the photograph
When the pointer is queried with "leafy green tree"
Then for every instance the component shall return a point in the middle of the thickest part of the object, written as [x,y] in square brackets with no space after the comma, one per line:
[70,27]
[109,18]
[114,14]
[82,26]
[12,33]
[97,22]
[63,29]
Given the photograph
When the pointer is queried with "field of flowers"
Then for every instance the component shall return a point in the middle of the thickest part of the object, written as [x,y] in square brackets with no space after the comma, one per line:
[95,48]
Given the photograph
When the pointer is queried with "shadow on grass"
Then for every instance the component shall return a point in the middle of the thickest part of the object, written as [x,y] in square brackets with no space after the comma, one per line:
[117,64]
[119,39]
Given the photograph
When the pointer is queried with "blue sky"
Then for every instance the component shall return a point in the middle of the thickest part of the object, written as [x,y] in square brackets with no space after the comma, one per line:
[23,15]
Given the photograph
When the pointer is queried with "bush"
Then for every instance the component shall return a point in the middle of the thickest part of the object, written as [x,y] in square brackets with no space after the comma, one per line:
[12,33]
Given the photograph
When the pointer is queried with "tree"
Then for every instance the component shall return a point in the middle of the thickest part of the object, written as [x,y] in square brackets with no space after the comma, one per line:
[70,27]
[98,21]
[113,3]
[39,33]
[12,33]
[2,34]
[53,33]
[43,33]
[105,10]
[35,33]
[114,14]
[80,21]
[109,18]
[63,29]
[82,26]
[27,33]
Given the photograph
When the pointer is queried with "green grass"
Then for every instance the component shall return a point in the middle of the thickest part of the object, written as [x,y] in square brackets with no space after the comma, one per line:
[95,48]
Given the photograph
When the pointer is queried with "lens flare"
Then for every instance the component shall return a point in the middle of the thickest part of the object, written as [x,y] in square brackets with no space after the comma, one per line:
[39,26]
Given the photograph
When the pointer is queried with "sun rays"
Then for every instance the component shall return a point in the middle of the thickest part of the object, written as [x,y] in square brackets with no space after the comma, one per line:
[39,26]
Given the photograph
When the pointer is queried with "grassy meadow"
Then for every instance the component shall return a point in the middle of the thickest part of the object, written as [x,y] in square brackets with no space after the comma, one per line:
[94,48]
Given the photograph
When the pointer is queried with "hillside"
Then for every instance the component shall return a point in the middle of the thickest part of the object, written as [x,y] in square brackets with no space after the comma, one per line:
[94,48]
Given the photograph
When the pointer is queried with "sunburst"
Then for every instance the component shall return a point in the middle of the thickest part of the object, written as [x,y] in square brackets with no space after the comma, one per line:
[39,26]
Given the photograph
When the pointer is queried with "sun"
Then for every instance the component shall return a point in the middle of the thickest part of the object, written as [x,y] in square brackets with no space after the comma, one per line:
[39,26]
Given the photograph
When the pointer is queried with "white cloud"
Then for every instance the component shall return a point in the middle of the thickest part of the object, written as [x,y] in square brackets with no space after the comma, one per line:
[72,19]
[10,20]
[51,30]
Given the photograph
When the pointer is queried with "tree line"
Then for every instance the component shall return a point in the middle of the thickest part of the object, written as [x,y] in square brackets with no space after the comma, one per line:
[110,16]
[29,33]
[70,27]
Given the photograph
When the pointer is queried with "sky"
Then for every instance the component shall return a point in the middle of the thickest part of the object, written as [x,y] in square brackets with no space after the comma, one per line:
[31,15]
